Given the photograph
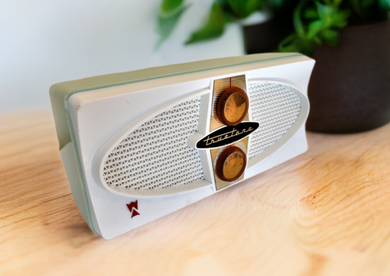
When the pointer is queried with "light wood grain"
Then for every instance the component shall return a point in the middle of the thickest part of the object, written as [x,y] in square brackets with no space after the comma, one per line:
[326,212]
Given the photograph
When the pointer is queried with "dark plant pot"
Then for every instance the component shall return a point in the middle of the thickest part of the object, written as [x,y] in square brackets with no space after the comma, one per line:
[349,89]
[265,37]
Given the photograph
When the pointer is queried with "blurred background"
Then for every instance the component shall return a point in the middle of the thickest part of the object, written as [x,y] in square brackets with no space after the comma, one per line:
[44,42]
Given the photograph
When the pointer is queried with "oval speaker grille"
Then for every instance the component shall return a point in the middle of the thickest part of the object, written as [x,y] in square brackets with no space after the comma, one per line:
[275,107]
[156,155]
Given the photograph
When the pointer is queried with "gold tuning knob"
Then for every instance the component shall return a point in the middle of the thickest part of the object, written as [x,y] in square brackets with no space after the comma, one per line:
[231,163]
[231,106]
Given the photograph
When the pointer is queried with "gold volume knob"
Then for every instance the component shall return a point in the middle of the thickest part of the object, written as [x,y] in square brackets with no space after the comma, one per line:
[232,106]
[231,163]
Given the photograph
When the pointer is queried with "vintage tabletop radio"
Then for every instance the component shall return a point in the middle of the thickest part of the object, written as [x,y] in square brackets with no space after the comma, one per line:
[137,146]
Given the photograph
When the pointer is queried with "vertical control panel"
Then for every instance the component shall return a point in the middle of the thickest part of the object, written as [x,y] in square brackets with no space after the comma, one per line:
[230,108]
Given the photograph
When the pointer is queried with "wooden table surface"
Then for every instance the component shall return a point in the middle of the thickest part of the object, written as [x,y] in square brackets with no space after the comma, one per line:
[326,212]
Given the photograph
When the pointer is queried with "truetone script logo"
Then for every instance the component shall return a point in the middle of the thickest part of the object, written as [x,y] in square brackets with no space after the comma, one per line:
[227,135]
[133,208]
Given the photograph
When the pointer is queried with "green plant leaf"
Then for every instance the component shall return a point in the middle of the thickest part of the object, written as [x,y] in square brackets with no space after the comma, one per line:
[169,15]
[287,44]
[339,18]
[228,17]
[310,13]
[297,20]
[315,22]
[332,37]
[332,3]
[324,12]
[169,7]
[295,43]
[244,8]
[384,5]
[315,28]
[213,27]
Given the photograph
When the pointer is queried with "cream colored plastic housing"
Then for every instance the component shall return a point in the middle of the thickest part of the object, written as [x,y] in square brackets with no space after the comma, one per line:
[130,137]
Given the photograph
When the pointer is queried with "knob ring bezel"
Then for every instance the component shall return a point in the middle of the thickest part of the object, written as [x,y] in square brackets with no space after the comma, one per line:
[221,101]
[222,158]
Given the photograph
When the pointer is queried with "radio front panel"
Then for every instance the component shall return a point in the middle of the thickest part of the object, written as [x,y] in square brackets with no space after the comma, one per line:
[165,143]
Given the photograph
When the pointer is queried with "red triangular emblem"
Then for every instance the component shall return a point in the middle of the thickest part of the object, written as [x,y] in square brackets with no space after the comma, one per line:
[134,213]
[132,205]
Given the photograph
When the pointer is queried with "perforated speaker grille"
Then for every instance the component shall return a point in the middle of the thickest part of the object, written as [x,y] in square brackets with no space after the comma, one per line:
[156,155]
[275,107]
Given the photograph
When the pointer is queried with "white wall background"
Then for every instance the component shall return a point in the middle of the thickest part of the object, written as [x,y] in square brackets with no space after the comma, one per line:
[43,42]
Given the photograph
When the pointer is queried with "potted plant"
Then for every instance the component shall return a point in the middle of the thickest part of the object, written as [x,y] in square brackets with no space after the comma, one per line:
[350,86]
